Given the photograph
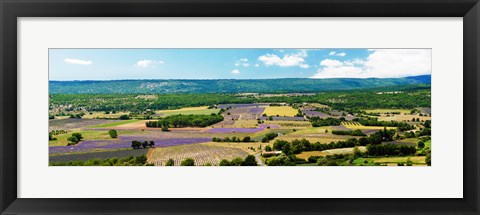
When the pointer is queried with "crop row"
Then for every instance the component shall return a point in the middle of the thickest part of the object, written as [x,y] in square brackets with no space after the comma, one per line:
[201,154]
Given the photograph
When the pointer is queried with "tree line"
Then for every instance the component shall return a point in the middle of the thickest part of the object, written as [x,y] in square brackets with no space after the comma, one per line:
[180,121]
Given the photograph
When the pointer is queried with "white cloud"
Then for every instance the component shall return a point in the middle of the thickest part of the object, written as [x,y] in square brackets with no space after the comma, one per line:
[330,63]
[147,63]
[296,59]
[334,53]
[78,61]
[242,62]
[257,65]
[381,63]
[235,71]
[304,66]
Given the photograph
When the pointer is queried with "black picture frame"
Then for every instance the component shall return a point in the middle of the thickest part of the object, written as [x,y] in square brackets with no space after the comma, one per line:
[10,10]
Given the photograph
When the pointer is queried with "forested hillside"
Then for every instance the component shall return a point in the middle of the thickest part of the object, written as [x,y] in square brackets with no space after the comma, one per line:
[297,85]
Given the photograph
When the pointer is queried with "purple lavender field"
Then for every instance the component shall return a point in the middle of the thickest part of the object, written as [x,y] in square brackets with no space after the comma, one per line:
[124,142]
[261,127]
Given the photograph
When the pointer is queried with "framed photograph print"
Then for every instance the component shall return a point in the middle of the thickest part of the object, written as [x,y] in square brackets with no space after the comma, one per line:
[239,107]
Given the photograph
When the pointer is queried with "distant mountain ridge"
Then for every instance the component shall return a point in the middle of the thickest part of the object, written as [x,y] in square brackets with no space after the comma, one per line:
[284,85]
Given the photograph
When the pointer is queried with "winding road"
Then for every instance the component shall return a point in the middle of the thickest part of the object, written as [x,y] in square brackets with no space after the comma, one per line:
[259,160]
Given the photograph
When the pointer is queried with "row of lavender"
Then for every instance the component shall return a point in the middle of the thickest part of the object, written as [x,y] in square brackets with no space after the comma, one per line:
[124,142]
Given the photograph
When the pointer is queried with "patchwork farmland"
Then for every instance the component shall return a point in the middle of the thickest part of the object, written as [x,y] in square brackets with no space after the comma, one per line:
[284,129]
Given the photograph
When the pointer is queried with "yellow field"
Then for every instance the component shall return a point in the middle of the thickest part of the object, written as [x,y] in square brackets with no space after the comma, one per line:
[319,105]
[344,150]
[280,111]
[251,123]
[203,110]
[415,159]
[356,125]
[316,134]
[306,155]
[401,117]
[402,111]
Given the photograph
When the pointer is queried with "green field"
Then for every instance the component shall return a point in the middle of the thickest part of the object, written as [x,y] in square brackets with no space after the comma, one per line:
[88,135]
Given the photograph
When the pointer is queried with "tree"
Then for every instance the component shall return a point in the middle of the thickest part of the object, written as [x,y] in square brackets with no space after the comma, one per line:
[151,144]
[165,128]
[428,159]
[409,162]
[136,144]
[356,152]
[236,162]
[264,139]
[281,160]
[77,135]
[268,148]
[188,162]
[73,140]
[427,123]
[250,161]
[144,144]
[113,133]
[224,162]
[170,162]
[124,116]
[246,139]
[421,144]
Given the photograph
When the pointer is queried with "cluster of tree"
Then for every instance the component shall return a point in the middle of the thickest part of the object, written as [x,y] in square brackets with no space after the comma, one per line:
[319,122]
[128,161]
[188,162]
[298,146]
[124,116]
[356,132]
[248,161]
[180,121]
[144,144]
[390,149]
[113,133]
[245,139]
[427,124]
[428,159]
[77,116]
[407,163]
[50,136]
[402,126]
[281,160]
[74,139]
[337,160]
[58,132]
[269,136]
[424,132]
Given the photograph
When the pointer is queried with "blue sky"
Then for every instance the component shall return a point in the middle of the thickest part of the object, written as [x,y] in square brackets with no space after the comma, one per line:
[115,64]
